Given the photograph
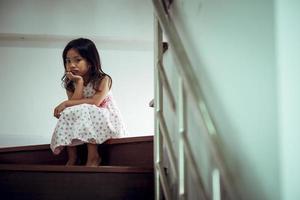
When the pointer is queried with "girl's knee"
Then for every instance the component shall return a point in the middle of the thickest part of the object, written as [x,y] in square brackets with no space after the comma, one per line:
[71,110]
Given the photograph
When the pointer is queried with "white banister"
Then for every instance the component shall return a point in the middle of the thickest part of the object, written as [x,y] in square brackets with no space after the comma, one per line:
[189,84]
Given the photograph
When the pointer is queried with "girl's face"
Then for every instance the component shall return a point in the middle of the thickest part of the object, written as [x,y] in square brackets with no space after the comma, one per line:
[76,64]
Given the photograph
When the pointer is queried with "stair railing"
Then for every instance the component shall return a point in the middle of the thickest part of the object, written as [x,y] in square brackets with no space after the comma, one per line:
[188,83]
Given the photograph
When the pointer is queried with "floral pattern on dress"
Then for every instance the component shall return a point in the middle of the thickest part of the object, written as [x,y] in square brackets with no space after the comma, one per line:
[86,123]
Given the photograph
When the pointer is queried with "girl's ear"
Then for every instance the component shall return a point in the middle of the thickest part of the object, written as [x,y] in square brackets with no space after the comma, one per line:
[89,66]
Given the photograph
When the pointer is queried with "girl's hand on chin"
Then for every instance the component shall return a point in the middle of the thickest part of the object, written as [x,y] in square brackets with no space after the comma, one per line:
[73,77]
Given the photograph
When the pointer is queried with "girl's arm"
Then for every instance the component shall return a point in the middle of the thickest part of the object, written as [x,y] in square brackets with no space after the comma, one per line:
[76,95]
[74,99]
[97,99]
[78,92]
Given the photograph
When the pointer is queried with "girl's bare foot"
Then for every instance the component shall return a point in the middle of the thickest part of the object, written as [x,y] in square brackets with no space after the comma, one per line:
[72,155]
[93,162]
[71,162]
[93,158]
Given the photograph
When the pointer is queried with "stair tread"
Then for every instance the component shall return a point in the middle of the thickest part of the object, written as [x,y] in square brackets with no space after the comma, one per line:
[47,146]
[62,168]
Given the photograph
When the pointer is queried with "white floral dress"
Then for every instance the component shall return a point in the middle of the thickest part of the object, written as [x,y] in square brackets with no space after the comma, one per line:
[86,123]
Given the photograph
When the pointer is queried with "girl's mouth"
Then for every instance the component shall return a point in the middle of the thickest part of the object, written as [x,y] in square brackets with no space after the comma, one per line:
[75,72]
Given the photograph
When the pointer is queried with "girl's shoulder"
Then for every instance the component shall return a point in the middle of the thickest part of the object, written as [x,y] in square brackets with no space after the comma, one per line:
[104,77]
[100,83]
[105,80]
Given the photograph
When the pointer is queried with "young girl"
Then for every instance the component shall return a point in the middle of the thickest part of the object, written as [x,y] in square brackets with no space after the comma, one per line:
[90,114]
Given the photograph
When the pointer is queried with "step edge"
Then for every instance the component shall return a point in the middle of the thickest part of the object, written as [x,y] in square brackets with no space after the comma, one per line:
[75,169]
[130,140]
[47,146]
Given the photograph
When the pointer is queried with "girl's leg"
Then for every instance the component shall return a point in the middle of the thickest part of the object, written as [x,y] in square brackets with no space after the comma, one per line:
[72,155]
[93,159]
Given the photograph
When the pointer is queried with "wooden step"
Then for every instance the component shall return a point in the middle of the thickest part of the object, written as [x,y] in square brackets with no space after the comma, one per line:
[54,182]
[132,151]
[33,172]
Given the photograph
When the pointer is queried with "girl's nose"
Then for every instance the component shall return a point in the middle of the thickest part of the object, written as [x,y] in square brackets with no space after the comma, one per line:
[72,65]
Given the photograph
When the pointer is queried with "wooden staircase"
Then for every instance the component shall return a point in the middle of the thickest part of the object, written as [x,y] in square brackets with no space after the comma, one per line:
[34,173]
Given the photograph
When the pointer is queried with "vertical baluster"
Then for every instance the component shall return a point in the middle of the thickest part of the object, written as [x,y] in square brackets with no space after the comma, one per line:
[158,105]
[182,132]
[216,187]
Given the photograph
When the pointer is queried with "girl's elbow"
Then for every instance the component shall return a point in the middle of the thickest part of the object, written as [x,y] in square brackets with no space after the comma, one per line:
[97,103]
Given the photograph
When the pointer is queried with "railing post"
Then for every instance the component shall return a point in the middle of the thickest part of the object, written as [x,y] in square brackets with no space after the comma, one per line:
[158,106]
[216,185]
[182,131]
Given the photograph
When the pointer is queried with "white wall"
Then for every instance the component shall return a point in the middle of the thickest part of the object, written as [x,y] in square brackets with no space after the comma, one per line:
[288,48]
[33,34]
[118,18]
[231,45]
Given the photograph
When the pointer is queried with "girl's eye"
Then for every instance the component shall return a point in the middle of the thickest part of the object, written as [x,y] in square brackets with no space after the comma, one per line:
[73,60]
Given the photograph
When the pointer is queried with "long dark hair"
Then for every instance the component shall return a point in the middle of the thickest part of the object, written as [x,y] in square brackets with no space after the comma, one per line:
[87,49]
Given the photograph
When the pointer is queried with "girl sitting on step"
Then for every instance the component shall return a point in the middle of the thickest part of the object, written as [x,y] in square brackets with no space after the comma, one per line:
[90,114]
